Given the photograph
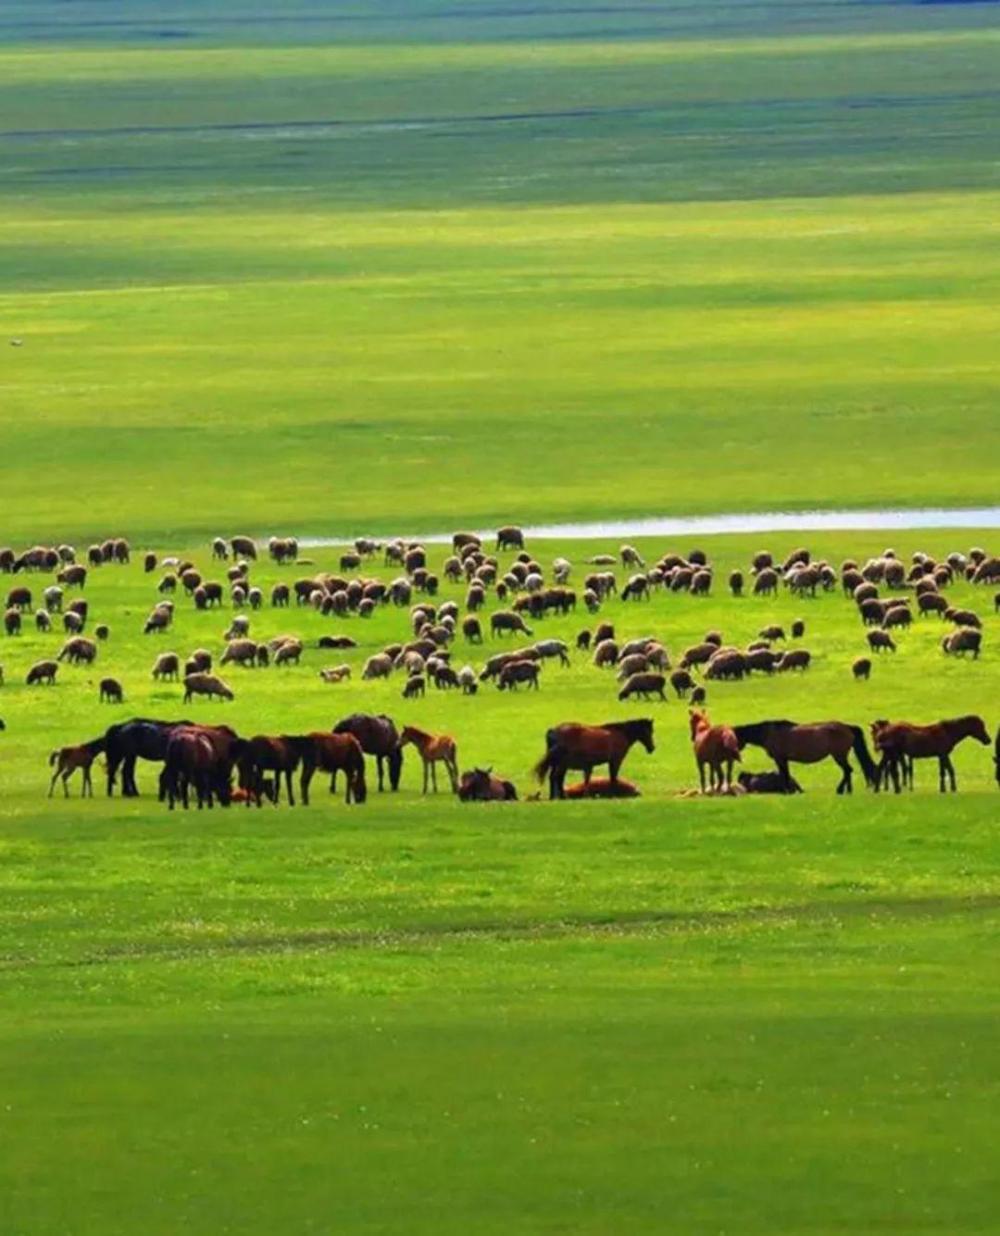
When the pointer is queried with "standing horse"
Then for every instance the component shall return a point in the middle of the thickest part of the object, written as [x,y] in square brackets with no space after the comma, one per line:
[68,759]
[379,737]
[715,747]
[586,747]
[901,743]
[787,742]
[332,753]
[190,761]
[262,754]
[434,749]
[129,741]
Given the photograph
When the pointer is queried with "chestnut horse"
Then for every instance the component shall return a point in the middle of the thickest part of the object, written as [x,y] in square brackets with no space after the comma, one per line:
[434,749]
[901,743]
[332,753]
[715,747]
[787,742]
[585,747]
[68,759]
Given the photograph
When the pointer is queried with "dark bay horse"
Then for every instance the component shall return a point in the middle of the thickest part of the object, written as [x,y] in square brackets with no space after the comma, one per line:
[481,786]
[332,753]
[585,747]
[379,737]
[787,742]
[901,743]
[266,753]
[140,738]
[190,762]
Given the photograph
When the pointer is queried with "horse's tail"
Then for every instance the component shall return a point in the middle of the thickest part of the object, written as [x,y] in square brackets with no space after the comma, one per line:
[868,765]
[53,757]
[732,745]
[544,765]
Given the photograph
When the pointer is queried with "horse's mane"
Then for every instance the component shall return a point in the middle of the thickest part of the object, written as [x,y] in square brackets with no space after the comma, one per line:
[627,727]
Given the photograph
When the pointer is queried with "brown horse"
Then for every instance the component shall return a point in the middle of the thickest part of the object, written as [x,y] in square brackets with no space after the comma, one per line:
[900,743]
[786,742]
[190,761]
[434,749]
[715,748]
[263,754]
[332,753]
[586,747]
[481,786]
[68,759]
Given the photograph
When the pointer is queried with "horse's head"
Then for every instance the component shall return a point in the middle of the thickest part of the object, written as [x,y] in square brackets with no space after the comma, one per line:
[698,720]
[645,734]
[977,730]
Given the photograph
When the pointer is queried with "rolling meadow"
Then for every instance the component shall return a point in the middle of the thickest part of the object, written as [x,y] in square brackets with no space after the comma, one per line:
[400,270]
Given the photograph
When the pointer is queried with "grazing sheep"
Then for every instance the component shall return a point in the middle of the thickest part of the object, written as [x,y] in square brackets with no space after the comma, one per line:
[19,598]
[634,663]
[158,621]
[78,651]
[880,641]
[682,682]
[414,686]
[772,633]
[102,631]
[697,654]
[862,669]
[53,598]
[897,616]
[798,628]
[509,622]
[965,639]
[205,684]
[766,583]
[583,641]
[239,628]
[42,621]
[931,603]
[240,652]
[553,648]
[605,653]
[736,583]
[963,617]
[512,675]
[111,691]
[467,680]
[727,665]
[762,659]
[472,629]
[797,659]
[167,667]
[644,685]
[657,656]
[701,583]
[288,652]
[12,621]
[377,666]
[42,671]
[698,696]
[72,622]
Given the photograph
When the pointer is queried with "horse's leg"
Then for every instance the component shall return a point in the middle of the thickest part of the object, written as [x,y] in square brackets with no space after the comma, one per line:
[129,787]
[951,774]
[452,766]
[782,764]
[288,783]
[52,783]
[112,766]
[845,786]
[88,785]
[307,776]
[379,760]
[426,774]
[701,772]
[67,773]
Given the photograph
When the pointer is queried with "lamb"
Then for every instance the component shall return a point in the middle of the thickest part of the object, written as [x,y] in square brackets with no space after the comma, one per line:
[337,673]
[681,681]
[862,669]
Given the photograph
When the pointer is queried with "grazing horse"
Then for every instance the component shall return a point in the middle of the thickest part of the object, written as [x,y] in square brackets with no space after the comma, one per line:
[434,749]
[331,753]
[585,747]
[787,742]
[715,747]
[131,740]
[266,754]
[481,786]
[379,737]
[190,761]
[901,743]
[68,759]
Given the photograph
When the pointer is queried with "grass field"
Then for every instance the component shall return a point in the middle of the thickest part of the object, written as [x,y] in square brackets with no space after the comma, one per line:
[532,1016]
[404,267]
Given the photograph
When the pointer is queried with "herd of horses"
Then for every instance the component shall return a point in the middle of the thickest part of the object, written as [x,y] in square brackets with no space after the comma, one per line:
[201,762]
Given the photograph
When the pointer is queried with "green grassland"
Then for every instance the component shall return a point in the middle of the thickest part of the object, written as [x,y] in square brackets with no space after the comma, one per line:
[771,1015]
[398,268]
[671,269]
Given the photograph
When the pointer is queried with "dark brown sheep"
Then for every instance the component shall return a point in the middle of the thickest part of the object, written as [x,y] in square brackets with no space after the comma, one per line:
[42,671]
[78,651]
[796,659]
[205,684]
[862,669]
[880,641]
[111,691]
[965,639]
[167,667]
[644,685]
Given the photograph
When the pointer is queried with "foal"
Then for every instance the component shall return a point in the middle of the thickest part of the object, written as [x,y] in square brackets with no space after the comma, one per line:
[433,748]
[717,747]
[68,759]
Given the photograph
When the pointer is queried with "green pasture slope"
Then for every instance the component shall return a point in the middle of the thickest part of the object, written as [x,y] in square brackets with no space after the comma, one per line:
[493,261]
[404,267]
[416,1016]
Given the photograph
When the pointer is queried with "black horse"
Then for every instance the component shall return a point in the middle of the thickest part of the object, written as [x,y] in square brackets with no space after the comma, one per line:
[379,737]
[131,740]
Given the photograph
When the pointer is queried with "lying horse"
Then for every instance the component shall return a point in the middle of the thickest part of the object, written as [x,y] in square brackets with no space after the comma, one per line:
[602,787]
[481,786]
[787,742]
[901,743]
[585,747]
